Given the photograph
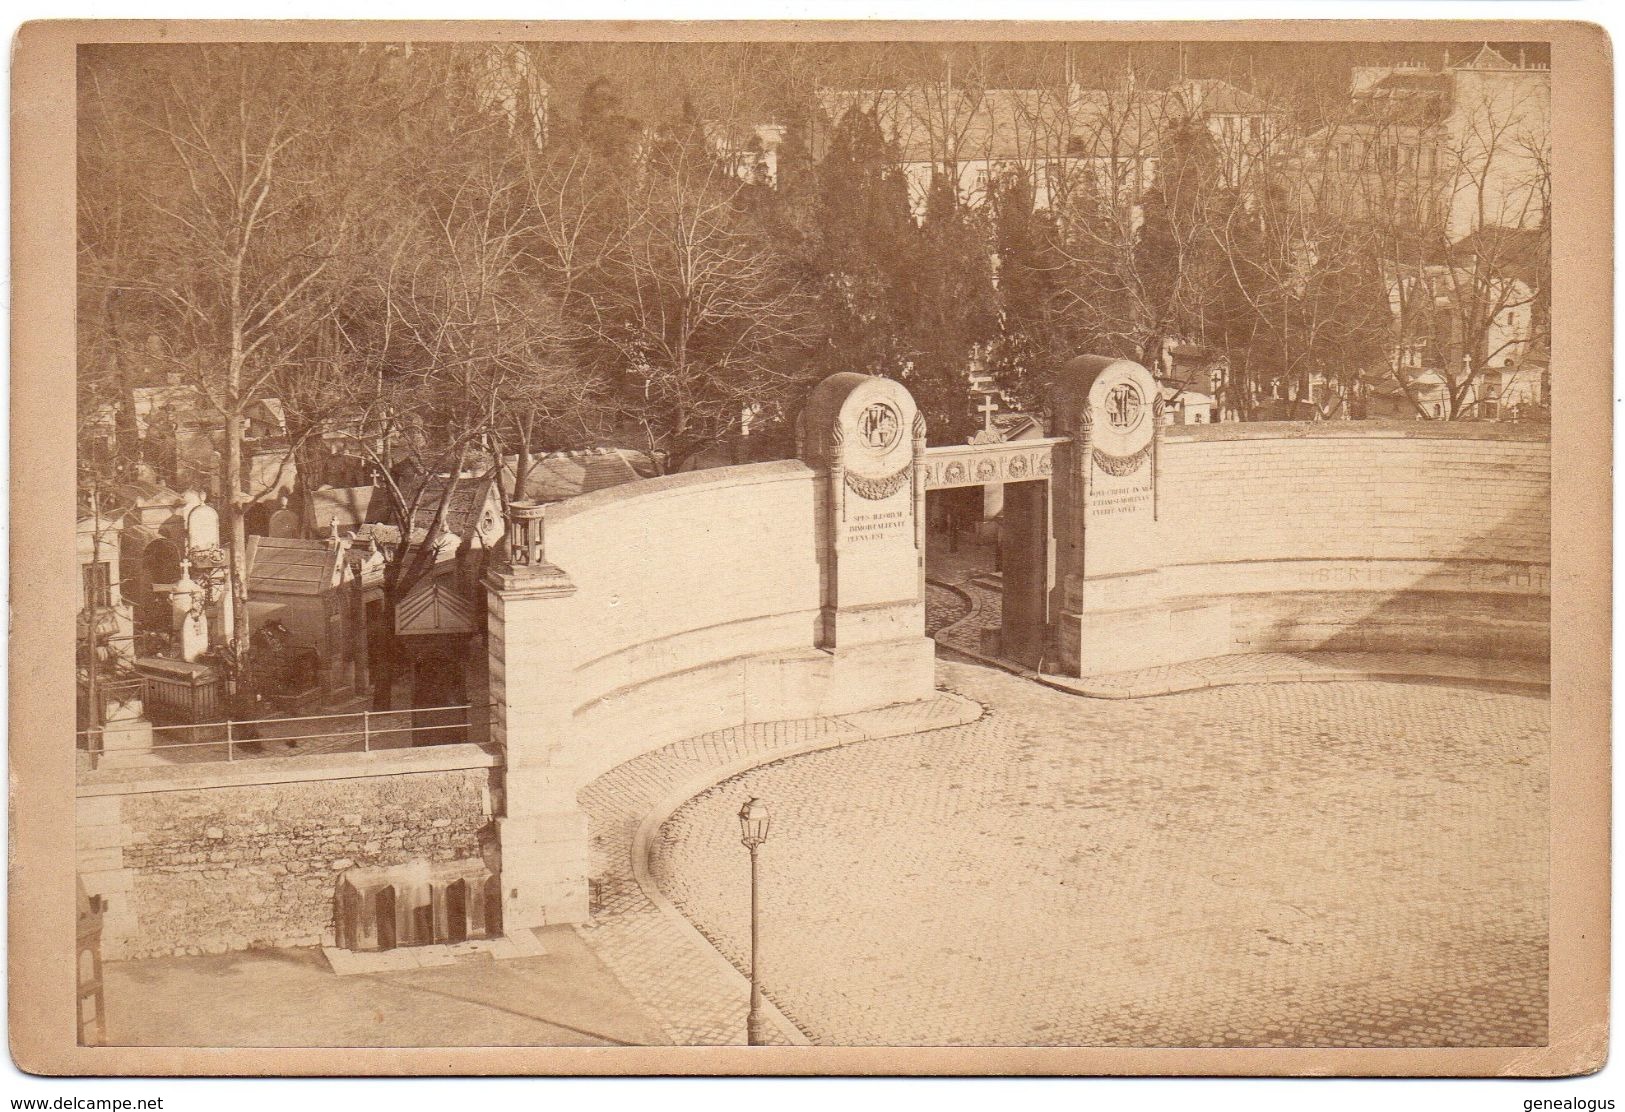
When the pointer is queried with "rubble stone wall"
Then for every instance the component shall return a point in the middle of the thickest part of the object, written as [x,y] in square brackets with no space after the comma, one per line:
[209,860]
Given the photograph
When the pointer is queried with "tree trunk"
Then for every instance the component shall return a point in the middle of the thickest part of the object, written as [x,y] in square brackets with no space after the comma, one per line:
[235,512]
[126,433]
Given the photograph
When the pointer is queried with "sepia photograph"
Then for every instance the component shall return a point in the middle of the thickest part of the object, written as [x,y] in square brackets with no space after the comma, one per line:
[800,541]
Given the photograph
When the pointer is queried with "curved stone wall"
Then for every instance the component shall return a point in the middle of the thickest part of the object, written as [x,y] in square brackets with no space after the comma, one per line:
[688,588]
[669,608]
[1367,536]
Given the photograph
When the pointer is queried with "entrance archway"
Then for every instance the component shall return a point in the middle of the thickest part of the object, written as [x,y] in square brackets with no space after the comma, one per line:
[1025,569]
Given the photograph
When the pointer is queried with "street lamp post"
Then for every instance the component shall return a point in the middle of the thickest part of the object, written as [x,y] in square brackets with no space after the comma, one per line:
[753,824]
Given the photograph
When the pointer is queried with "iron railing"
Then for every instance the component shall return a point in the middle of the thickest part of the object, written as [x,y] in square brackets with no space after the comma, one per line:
[244,739]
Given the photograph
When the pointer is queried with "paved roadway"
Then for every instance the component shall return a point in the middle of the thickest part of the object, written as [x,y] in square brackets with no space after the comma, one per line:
[1337,864]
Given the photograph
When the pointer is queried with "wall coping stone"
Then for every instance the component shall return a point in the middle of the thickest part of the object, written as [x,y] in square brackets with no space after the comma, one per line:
[738,475]
[1391,429]
[145,779]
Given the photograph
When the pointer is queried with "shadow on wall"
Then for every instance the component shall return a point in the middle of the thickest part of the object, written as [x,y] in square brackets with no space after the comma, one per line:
[1363,539]
[1466,605]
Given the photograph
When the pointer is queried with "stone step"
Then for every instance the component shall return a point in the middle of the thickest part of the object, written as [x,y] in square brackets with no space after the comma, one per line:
[520,944]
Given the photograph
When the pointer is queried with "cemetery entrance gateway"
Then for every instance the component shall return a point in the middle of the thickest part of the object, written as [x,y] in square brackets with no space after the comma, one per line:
[1024,468]
[1083,592]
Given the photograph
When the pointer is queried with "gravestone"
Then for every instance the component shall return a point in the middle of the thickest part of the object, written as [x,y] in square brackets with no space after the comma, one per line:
[284,524]
[202,523]
[194,635]
[865,439]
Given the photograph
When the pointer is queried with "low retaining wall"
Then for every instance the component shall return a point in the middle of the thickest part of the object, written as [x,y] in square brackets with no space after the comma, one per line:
[1352,536]
[210,858]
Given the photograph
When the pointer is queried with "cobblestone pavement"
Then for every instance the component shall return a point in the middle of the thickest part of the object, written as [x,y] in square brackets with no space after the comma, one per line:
[943,607]
[958,609]
[678,979]
[1332,864]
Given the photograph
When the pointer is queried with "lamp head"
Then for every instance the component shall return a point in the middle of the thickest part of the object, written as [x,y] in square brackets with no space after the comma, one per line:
[753,823]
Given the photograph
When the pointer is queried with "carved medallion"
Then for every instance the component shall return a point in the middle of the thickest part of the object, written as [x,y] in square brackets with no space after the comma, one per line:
[1125,409]
[879,426]
[1019,466]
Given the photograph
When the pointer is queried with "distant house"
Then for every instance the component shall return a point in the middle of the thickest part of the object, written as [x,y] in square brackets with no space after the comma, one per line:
[1065,137]
[1454,147]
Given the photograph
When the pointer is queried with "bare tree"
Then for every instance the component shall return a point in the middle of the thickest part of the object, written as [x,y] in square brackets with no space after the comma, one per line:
[249,195]
[694,318]
[1453,192]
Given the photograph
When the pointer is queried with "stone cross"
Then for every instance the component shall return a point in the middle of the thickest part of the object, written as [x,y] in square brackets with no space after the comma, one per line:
[987,409]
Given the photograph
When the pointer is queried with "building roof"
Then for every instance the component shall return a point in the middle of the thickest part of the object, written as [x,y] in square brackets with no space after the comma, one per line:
[291,566]
[1405,97]
[467,509]
[432,606]
[561,475]
[346,505]
[474,507]
[144,493]
[1185,395]
[1214,96]
[270,409]
[1486,58]
[1018,426]
[1515,252]
[1401,82]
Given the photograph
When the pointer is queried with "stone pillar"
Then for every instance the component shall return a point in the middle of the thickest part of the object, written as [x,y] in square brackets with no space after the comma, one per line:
[361,664]
[1025,547]
[865,439]
[541,828]
[920,522]
[1111,615]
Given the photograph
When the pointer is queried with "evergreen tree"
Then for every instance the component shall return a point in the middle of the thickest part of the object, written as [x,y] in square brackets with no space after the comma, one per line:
[861,244]
[954,316]
[1179,272]
[1036,334]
